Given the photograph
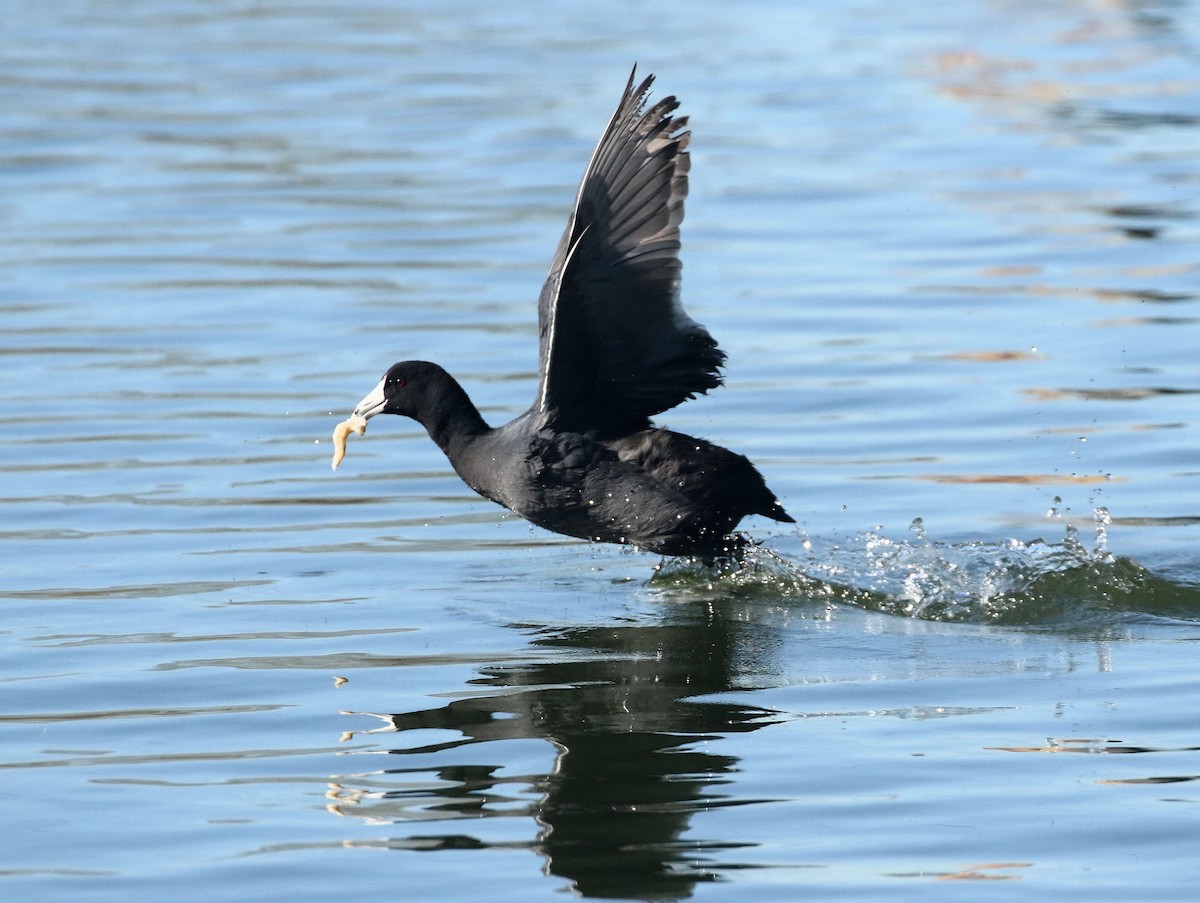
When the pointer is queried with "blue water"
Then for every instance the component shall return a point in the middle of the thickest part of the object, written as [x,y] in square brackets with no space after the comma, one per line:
[951,252]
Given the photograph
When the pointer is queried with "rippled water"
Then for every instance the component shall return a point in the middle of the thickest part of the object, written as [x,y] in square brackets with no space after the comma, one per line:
[951,251]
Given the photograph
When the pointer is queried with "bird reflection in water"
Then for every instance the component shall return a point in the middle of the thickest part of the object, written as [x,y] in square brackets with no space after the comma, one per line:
[631,762]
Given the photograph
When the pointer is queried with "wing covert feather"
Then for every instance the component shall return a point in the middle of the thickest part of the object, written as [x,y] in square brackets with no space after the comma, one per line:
[617,346]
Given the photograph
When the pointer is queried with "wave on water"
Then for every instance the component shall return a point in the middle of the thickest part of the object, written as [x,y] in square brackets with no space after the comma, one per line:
[1015,582]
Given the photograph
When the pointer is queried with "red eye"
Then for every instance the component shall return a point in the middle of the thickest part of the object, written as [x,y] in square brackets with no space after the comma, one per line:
[399,382]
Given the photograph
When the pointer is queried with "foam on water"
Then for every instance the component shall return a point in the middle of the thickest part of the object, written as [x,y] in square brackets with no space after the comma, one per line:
[1063,584]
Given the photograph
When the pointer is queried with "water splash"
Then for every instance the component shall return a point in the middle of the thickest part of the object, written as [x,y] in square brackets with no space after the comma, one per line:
[1065,583]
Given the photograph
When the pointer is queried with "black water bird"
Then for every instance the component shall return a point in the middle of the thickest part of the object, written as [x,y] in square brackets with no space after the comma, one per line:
[616,348]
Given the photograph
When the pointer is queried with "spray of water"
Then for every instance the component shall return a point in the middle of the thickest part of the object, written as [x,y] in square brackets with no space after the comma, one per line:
[1063,583]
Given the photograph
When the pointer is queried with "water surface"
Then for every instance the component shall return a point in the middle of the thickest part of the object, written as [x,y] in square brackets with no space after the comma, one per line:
[951,252]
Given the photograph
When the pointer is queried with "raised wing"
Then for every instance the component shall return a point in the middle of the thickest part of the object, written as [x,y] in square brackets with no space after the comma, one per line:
[617,346]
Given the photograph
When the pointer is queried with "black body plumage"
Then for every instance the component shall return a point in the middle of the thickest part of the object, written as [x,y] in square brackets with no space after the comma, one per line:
[616,348]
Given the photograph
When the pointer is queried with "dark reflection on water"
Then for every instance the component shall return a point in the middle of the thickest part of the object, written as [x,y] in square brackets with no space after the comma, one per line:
[631,766]
[633,712]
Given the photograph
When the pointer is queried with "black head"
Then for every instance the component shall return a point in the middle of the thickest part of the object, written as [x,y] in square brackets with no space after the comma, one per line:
[410,388]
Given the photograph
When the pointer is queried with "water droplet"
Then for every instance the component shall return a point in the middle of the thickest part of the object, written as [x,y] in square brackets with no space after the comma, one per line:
[1102,519]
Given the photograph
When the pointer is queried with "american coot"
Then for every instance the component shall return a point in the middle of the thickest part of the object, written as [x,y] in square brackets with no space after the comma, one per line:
[616,349]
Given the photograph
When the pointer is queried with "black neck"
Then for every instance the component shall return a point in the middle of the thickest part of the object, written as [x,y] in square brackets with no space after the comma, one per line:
[454,420]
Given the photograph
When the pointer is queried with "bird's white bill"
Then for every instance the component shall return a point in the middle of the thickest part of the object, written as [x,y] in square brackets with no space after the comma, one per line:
[371,405]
